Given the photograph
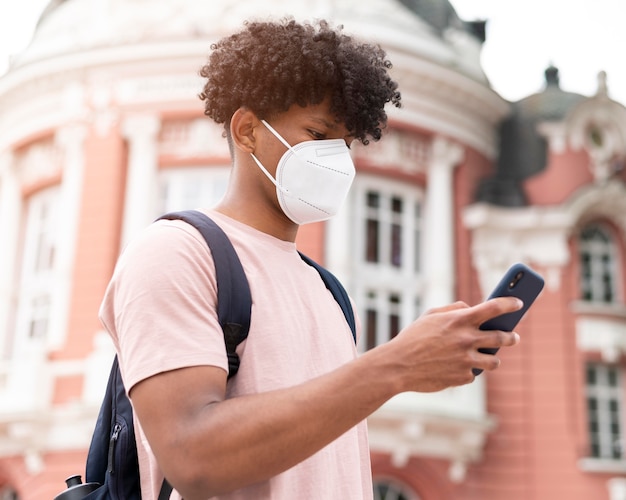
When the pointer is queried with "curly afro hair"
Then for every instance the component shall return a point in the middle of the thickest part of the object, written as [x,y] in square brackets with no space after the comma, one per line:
[269,66]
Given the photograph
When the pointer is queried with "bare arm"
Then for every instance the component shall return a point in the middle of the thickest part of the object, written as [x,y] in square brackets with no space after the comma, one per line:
[207,445]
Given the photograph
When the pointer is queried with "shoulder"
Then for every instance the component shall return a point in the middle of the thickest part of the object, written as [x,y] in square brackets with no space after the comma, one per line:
[167,255]
[164,242]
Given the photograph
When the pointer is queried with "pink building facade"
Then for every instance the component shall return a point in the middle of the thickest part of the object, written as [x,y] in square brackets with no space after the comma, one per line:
[101,131]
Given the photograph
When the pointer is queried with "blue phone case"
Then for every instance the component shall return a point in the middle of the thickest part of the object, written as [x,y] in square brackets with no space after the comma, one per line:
[519,281]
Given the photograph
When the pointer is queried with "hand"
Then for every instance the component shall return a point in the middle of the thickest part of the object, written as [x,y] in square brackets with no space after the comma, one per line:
[440,348]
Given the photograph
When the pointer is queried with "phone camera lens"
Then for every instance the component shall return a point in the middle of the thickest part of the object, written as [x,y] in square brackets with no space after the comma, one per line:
[518,277]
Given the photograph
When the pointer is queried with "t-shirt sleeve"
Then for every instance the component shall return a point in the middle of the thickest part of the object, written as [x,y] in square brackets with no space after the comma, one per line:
[160,306]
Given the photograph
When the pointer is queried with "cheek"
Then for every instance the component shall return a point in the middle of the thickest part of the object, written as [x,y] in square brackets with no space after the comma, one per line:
[273,156]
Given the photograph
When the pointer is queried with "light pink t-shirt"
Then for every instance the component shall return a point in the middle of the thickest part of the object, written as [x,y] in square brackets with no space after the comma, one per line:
[159,309]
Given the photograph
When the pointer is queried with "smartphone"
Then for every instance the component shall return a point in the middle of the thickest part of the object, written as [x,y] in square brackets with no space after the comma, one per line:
[519,281]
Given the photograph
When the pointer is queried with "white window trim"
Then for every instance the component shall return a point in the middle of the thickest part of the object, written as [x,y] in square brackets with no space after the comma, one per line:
[382,277]
[602,392]
[34,284]
[597,250]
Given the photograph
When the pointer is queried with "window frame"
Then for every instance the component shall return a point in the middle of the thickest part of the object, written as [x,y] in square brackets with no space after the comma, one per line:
[388,289]
[599,277]
[36,297]
[601,433]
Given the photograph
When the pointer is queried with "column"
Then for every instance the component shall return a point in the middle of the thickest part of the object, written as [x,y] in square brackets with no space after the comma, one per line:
[10,217]
[71,141]
[141,179]
[338,250]
[438,245]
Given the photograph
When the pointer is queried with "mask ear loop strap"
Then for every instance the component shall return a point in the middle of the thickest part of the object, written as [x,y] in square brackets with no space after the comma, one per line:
[269,176]
[264,170]
[278,136]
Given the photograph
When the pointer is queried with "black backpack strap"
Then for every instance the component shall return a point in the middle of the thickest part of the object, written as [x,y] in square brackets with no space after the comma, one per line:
[166,490]
[234,301]
[338,291]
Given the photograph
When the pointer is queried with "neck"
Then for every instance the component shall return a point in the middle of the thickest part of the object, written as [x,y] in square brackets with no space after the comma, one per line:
[245,202]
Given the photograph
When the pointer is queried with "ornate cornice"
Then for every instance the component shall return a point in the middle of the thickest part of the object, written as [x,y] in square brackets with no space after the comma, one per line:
[444,101]
[502,236]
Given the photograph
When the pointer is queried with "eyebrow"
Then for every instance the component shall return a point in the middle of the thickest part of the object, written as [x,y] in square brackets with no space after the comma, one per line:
[321,121]
[325,122]
[330,125]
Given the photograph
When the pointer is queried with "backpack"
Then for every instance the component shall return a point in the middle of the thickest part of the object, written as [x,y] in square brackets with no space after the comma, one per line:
[112,458]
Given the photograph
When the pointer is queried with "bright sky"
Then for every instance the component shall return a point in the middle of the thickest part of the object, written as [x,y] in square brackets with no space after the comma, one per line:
[580,37]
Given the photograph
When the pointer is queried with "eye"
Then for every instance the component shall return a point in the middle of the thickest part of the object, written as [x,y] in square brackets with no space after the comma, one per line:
[318,136]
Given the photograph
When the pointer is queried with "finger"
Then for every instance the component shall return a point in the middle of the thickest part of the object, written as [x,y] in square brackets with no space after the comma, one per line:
[495,307]
[494,339]
[449,307]
[487,362]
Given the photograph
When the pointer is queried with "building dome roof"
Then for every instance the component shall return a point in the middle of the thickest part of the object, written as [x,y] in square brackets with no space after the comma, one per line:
[523,151]
[441,15]
[427,28]
[552,103]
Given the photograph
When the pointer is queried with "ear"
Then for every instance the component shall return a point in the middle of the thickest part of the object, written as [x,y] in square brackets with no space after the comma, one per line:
[243,125]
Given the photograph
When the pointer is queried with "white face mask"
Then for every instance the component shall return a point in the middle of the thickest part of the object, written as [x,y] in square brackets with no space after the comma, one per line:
[312,178]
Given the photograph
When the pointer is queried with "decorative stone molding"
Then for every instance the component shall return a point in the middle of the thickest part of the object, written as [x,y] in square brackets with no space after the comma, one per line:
[502,236]
[39,102]
[448,103]
[398,149]
[199,137]
[600,201]
[405,434]
[607,336]
[452,424]
[598,125]
[39,161]
[556,135]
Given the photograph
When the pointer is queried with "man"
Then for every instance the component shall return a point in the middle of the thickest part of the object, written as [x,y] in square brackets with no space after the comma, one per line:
[291,423]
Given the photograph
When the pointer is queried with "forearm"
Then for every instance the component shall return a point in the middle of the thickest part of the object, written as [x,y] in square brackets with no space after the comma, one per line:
[240,441]
[206,445]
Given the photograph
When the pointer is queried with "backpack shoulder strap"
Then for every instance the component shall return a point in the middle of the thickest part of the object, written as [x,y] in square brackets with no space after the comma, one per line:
[234,301]
[336,288]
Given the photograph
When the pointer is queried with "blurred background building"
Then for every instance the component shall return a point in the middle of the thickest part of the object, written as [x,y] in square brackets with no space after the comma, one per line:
[101,131]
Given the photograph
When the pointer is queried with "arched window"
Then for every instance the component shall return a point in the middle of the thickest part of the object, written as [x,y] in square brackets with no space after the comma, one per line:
[597,264]
[386,489]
